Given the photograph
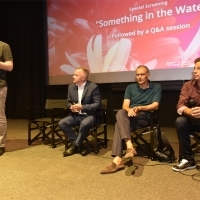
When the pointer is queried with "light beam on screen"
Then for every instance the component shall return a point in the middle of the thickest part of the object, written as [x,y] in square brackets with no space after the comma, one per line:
[113,37]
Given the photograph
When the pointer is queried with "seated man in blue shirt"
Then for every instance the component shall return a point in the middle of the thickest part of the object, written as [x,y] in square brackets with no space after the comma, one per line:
[139,98]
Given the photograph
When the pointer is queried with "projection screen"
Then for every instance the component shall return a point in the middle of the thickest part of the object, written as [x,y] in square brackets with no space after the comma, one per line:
[112,37]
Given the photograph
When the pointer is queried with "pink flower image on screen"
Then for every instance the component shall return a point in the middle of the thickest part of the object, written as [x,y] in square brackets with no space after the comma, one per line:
[118,35]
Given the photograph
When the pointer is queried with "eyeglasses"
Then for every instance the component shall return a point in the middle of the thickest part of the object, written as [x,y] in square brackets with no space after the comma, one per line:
[140,75]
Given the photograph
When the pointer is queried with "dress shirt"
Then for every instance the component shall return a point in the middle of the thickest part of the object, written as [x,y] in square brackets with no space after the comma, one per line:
[80,94]
[190,90]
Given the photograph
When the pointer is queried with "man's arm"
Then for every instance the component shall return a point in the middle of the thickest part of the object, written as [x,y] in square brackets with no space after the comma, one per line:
[7,65]
[133,111]
[125,106]
[94,102]
[90,101]
[150,107]
[193,112]
[7,62]
[182,107]
[187,111]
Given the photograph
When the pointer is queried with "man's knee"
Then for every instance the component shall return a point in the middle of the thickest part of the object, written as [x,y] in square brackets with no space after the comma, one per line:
[181,121]
[87,123]
[121,113]
[62,123]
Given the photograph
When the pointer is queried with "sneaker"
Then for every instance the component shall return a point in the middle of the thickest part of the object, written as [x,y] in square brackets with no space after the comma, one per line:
[184,165]
[2,150]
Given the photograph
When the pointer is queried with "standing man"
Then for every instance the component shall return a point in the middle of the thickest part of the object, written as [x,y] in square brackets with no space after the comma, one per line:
[6,64]
[83,99]
[139,99]
[188,108]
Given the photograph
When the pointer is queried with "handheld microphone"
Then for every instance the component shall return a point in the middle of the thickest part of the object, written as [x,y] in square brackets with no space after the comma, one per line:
[192,103]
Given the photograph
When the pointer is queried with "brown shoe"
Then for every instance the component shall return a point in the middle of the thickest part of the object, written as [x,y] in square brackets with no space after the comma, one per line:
[130,153]
[112,168]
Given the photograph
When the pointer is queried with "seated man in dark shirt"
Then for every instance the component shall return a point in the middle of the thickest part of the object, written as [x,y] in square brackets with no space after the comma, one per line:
[139,98]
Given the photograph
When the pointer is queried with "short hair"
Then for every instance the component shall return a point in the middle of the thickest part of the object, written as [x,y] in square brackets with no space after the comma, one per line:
[196,60]
[140,66]
[85,71]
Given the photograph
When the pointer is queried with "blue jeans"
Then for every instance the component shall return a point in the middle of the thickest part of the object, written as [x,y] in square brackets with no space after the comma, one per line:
[85,123]
[3,121]
[184,126]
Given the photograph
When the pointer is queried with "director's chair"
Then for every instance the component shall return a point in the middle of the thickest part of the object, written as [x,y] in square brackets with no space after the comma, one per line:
[43,122]
[99,129]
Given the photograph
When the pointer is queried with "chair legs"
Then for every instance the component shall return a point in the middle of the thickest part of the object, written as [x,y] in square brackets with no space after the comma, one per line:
[144,146]
[39,135]
[195,145]
[42,134]
[96,140]
[147,147]
[66,143]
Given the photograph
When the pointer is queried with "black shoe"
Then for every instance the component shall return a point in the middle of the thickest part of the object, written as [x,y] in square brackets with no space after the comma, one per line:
[83,151]
[72,150]
[2,150]
[64,152]
[70,145]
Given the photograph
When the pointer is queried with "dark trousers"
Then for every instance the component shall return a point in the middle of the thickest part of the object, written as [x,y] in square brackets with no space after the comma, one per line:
[123,126]
[85,123]
[184,126]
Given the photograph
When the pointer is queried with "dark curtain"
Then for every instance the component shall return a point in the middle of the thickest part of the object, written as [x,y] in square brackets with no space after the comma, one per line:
[23,27]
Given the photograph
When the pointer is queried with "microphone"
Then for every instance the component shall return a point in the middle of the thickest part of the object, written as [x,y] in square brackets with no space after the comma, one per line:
[192,103]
